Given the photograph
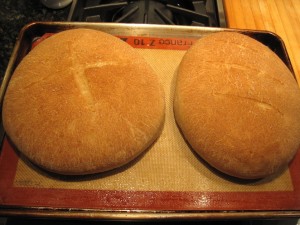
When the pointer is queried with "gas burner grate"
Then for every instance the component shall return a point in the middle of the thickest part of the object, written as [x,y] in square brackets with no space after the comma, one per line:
[172,12]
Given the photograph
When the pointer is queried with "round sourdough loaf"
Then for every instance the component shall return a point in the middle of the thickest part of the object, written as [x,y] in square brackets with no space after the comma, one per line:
[238,105]
[83,102]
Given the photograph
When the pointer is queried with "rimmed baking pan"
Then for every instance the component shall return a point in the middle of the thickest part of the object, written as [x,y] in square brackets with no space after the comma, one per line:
[168,181]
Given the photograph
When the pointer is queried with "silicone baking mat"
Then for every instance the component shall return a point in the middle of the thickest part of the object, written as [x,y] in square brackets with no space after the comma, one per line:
[168,176]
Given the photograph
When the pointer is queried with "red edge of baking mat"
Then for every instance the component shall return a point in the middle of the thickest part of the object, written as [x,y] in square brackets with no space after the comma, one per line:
[141,200]
[145,42]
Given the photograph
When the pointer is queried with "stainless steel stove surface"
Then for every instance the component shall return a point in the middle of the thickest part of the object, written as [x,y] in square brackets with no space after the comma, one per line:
[207,13]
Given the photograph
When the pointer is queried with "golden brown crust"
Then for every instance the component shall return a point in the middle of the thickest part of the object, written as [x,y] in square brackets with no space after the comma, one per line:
[238,105]
[82,102]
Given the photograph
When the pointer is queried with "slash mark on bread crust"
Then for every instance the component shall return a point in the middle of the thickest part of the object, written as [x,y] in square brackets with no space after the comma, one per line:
[81,80]
[261,104]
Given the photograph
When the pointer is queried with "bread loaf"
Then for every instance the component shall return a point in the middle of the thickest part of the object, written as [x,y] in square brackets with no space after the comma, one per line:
[82,102]
[238,105]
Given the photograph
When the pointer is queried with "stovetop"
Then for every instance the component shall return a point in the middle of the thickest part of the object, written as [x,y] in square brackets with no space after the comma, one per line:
[172,12]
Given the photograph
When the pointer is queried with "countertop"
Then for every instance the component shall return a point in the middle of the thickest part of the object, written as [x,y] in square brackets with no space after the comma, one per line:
[278,16]
[14,14]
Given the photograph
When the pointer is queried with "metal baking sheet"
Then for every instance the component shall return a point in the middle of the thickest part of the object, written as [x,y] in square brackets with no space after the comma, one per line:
[167,182]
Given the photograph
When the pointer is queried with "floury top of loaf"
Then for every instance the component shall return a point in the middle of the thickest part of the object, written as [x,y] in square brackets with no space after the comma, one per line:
[238,105]
[82,102]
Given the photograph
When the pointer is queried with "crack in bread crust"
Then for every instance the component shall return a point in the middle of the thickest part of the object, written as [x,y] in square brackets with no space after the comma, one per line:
[85,90]
[259,103]
[229,65]
[82,82]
